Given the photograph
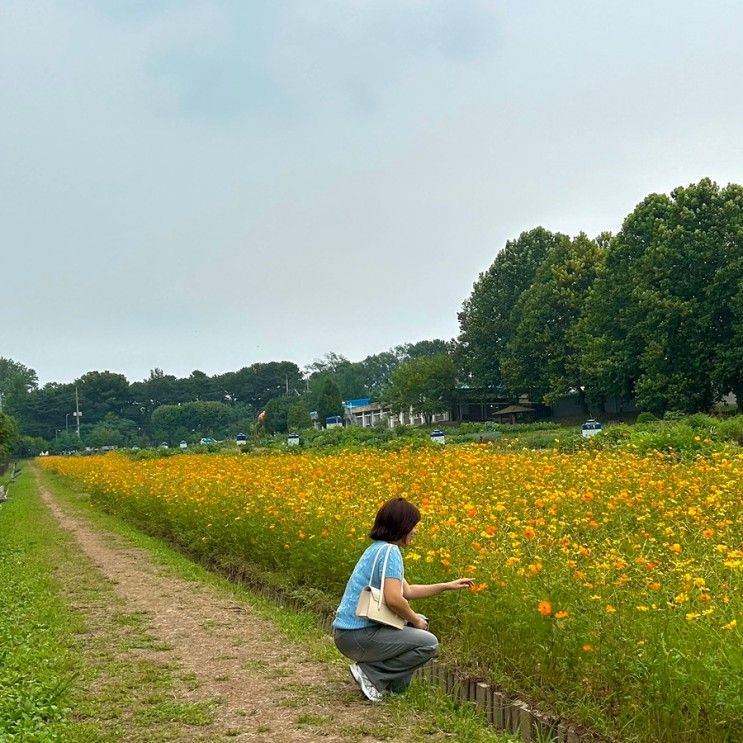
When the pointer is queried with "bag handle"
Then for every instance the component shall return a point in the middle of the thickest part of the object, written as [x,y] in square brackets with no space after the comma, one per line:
[384,571]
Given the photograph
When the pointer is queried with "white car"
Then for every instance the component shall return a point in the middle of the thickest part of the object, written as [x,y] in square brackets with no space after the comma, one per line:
[590,428]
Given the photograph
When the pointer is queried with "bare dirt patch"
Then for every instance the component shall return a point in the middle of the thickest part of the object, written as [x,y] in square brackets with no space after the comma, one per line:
[255,684]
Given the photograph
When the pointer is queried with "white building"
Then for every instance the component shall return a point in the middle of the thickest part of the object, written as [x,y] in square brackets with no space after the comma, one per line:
[366,414]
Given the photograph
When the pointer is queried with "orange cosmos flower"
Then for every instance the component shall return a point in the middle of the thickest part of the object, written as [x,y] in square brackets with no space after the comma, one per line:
[544,608]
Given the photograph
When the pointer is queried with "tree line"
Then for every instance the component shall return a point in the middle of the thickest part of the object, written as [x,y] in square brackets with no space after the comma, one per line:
[165,408]
[651,316]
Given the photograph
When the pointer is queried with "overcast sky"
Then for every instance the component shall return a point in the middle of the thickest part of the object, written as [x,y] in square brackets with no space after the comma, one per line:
[203,184]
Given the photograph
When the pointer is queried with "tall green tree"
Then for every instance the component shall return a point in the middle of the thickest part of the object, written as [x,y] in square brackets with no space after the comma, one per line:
[101,393]
[113,431]
[8,436]
[191,420]
[376,372]
[16,381]
[486,323]
[277,413]
[298,417]
[426,384]
[329,401]
[725,294]
[349,376]
[543,356]
[158,389]
[255,385]
[46,410]
[417,350]
[200,386]
[662,319]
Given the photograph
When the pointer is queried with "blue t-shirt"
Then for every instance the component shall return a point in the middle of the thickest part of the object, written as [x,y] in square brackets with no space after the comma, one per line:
[345,616]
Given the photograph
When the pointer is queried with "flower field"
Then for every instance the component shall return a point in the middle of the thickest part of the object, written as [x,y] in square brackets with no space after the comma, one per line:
[608,585]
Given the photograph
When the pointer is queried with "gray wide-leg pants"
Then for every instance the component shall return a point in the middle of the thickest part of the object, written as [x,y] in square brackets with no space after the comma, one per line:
[388,656]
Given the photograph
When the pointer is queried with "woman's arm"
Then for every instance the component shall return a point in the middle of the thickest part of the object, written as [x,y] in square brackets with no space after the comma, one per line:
[398,603]
[433,589]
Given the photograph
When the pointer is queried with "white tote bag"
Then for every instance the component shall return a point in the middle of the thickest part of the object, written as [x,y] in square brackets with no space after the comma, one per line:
[371,602]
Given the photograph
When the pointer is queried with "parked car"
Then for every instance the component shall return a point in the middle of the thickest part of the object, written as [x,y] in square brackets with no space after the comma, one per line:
[241,439]
[183,444]
[207,440]
[590,428]
[333,421]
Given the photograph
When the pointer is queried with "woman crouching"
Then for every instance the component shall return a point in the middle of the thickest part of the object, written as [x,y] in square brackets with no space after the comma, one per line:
[385,657]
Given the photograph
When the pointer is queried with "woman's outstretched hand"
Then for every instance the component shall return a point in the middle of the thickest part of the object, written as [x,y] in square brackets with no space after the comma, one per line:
[459,583]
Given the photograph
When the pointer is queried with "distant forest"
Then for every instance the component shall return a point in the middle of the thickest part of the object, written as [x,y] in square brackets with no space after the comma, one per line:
[652,315]
[166,408]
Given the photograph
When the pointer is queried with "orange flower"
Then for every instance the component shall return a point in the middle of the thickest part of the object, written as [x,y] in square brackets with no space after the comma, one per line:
[544,608]
[676,548]
[529,532]
[587,648]
[561,615]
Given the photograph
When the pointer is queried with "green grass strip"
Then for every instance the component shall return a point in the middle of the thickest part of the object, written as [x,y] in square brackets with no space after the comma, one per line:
[37,660]
[70,666]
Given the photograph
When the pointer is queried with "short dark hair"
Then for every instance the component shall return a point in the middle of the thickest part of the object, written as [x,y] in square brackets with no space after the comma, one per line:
[395,520]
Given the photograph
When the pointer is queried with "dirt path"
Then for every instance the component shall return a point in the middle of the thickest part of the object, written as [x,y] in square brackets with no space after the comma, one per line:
[268,689]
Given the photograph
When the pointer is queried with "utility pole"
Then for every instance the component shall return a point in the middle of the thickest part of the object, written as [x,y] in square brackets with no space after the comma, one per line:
[77,412]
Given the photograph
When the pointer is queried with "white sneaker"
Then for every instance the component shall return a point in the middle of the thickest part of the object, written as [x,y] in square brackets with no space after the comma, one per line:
[367,688]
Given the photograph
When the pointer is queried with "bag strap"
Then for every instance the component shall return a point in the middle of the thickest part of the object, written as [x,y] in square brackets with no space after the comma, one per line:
[388,549]
[374,564]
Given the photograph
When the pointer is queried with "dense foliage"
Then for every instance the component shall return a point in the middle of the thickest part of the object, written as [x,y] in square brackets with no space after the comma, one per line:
[652,315]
